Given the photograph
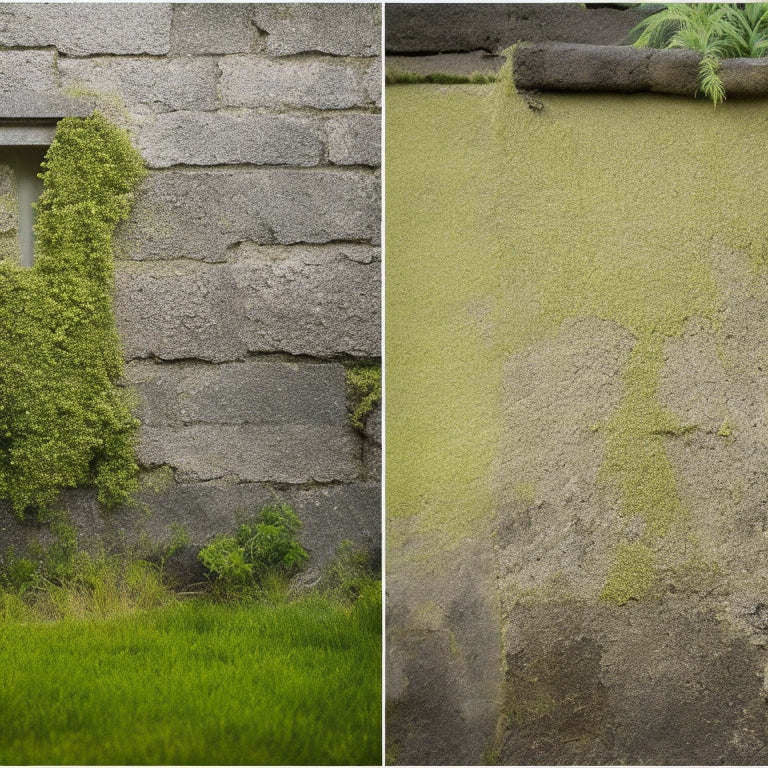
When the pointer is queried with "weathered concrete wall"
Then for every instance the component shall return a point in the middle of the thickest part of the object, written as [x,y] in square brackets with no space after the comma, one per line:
[248,273]
[576,382]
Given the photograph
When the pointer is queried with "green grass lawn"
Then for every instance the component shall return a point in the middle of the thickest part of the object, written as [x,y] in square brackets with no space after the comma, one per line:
[196,682]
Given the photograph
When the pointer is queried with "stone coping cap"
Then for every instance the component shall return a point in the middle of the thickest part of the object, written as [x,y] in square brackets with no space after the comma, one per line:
[37,106]
[624,69]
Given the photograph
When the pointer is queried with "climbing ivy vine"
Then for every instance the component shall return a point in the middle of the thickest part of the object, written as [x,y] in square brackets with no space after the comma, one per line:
[63,422]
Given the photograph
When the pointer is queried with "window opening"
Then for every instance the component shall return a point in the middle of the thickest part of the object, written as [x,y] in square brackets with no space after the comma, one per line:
[20,188]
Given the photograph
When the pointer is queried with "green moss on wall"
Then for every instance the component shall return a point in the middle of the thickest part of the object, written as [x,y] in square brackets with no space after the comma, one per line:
[63,422]
[503,223]
[632,574]
[363,392]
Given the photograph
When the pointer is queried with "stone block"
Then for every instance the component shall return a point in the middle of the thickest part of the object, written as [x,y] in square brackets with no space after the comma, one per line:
[338,512]
[200,214]
[319,83]
[258,391]
[355,139]
[322,301]
[27,72]
[674,71]
[440,27]
[372,82]
[210,28]
[216,138]
[176,313]
[340,29]
[84,29]
[576,67]
[160,85]
[286,453]
[745,77]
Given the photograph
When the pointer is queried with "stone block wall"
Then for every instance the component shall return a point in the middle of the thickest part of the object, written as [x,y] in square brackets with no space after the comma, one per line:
[248,275]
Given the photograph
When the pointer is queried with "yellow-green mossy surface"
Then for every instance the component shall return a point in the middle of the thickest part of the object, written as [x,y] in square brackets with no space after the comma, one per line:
[63,422]
[501,224]
[550,275]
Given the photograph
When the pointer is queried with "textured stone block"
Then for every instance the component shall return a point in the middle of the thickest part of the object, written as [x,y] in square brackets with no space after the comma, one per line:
[575,67]
[319,301]
[355,140]
[438,27]
[83,29]
[27,72]
[372,82]
[162,85]
[200,214]
[214,138]
[341,29]
[672,70]
[258,391]
[292,453]
[745,77]
[339,512]
[321,83]
[206,28]
[173,313]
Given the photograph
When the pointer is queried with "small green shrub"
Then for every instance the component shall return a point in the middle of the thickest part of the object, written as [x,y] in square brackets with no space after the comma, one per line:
[271,544]
[226,566]
[18,573]
[260,554]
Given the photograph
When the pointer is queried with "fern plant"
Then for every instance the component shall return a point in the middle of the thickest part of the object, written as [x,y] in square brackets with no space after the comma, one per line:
[718,30]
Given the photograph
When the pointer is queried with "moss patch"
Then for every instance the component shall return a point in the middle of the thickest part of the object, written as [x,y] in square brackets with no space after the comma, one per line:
[632,574]
[397,77]
[363,392]
[63,422]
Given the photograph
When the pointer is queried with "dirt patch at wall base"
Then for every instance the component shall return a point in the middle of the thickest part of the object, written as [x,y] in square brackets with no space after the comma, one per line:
[656,684]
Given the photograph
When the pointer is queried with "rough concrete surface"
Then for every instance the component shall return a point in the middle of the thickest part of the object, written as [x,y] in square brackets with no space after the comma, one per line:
[200,214]
[313,300]
[212,28]
[85,29]
[322,83]
[156,85]
[345,29]
[215,138]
